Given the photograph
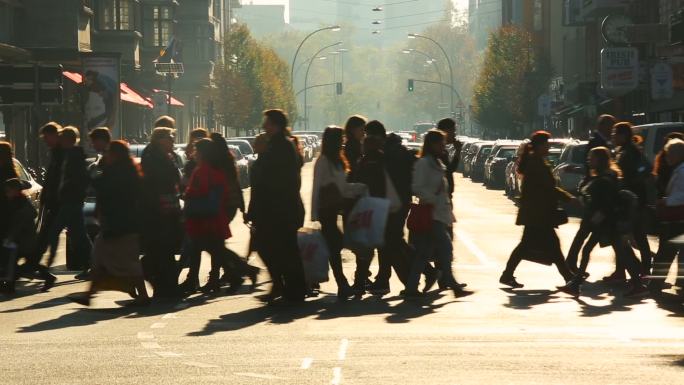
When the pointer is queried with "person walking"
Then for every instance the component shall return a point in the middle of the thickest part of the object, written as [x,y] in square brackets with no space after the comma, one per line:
[538,212]
[599,138]
[162,232]
[431,187]
[278,211]
[636,172]
[49,195]
[354,134]
[7,172]
[116,252]
[672,222]
[330,189]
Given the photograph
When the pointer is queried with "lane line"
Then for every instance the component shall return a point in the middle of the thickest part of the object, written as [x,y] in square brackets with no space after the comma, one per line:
[145,336]
[199,365]
[474,249]
[158,325]
[342,352]
[150,345]
[168,354]
[306,363]
[337,376]
[257,375]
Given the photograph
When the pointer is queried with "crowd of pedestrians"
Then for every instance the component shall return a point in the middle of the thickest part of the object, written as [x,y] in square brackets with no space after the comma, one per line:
[151,211]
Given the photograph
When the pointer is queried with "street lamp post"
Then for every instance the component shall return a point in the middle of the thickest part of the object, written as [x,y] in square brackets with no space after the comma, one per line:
[451,70]
[333,28]
[430,60]
[306,82]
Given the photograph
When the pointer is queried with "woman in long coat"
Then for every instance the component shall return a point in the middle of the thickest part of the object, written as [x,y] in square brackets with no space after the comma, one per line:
[538,213]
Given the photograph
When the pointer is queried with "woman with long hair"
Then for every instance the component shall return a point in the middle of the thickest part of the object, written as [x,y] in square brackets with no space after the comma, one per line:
[430,185]
[330,188]
[538,212]
[116,252]
[353,146]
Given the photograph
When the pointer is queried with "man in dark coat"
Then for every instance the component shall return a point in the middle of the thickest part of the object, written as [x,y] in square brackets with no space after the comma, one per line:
[49,199]
[448,127]
[278,210]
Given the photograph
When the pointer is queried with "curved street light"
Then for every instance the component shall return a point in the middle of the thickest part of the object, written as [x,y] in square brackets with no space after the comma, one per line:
[333,28]
[306,82]
[430,60]
[451,70]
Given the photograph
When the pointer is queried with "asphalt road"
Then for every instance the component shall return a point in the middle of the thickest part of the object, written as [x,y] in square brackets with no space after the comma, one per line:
[528,336]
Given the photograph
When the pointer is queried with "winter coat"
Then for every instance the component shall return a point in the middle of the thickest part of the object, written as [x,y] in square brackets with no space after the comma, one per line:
[74,177]
[326,173]
[206,180]
[431,187]
[278,202]
[539,195]
[22,227]
[118,192]
[631,161]
[371,172]
[600,197]
[49,196]
[399,164]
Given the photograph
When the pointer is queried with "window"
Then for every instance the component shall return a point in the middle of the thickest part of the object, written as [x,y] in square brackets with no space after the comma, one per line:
[158,26]
[538,16]
[116,15]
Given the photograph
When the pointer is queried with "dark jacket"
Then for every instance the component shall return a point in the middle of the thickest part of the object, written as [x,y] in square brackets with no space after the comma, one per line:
[399,164]
[5,174]
[22,227]
[371,172]
[539,194]
[74,176]
[353,153]
[118,200]
[596,140]
[635,169]
[49,196]
[278,201]
[600,195]
[452,165]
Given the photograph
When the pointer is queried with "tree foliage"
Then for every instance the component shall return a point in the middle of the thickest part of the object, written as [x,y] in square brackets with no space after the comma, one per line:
[252,79]
[512,77]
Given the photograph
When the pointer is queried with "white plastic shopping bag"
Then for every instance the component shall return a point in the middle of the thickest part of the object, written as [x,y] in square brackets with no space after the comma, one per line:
[315,254]
[365,227]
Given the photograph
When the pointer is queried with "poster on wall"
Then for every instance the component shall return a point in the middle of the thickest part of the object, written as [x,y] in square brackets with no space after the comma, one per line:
[102,98]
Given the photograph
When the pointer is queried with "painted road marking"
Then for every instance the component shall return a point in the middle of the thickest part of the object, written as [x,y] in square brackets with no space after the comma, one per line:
[257,375]
[199,365]
[474,249]
[306,363]
[337,376]
[150,345]
[158,325]
[145,336]
[342,352]
[168,354]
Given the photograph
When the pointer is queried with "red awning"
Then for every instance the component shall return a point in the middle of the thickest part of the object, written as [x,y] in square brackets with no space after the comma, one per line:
[174,101]
[127,94]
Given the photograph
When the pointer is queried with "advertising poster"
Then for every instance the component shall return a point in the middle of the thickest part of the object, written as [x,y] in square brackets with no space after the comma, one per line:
[102,98]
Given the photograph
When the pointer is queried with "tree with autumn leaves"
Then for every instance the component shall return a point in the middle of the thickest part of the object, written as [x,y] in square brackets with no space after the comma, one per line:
[512,77]
[252,79]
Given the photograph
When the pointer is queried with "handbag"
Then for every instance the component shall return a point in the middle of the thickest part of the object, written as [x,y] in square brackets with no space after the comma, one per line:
[420,218]
[560,217]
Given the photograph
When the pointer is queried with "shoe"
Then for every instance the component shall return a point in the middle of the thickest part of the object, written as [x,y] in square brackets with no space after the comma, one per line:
[139,302]
[345,292]
[637,291]
[615,277]
[235,285]
[189,286]
[49,283]
[431,279]
[81,299]
[571,288]
[212,287]
[460,293]
[83,276]
[411,294]
[510,281]
[377,288]
[253,276]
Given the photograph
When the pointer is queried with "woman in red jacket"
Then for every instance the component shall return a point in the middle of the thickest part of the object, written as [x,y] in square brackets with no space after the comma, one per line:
[206,221]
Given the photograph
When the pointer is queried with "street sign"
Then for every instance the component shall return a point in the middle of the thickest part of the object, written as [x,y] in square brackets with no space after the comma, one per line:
[544,105]
[619,70]
[661,81]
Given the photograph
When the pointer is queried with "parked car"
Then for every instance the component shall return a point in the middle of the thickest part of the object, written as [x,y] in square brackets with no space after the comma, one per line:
[653,136]
[242,164]
[571,167]
[245,148]
[313,141]
[307,149]
[319,134]
[478,161]
[34,191]
[249,139]
[464,152]
[495,166]
[468,157]
[514,179]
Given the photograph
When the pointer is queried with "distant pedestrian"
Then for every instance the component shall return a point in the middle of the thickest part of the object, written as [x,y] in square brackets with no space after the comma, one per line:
[330,189]
[116,252]
[161,214]
[431,187]
[278,211]
[636,175]
[538,213]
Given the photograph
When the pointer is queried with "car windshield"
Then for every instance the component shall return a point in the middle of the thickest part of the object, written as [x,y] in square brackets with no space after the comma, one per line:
[21,171]
[506,153]
[244,147]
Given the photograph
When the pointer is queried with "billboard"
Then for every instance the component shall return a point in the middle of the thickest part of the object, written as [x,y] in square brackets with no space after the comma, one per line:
[102,98]
[619,70]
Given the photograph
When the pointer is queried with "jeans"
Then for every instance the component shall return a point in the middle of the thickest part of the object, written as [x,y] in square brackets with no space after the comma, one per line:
[277,246]
[70,216]
[436,243]
[577,242]
[396,253]
[335,240]
[215,247]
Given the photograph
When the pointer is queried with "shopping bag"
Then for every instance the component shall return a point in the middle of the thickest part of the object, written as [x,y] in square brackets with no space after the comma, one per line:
[315,254]
[365,227]
[420,218]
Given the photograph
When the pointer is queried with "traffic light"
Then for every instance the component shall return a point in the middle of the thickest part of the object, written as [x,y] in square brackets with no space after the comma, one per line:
[338,86]
[410,85]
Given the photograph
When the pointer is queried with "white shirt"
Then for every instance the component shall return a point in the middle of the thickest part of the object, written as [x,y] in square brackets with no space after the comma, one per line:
[325,173]
[431,187]
[675,188]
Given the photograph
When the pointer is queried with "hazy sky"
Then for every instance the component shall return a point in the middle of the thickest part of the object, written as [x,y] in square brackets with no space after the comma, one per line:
[461,4]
